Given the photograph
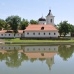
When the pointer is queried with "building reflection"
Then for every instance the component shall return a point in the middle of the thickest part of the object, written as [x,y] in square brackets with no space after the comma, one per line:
[42,52]
[17,54]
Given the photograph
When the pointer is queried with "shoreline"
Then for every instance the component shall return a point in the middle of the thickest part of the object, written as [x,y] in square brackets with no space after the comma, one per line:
[40,43]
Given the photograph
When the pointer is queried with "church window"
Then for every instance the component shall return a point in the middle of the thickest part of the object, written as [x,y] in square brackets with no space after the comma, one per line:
[9,34]
[44,33]
[51,20]
[39,33]
[27,33]
[33,33]
[54,33]
[2,34]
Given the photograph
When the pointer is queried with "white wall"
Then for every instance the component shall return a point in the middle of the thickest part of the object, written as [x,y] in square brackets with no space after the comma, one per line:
[10,35]
[41,34]
[42,22]
[18,35]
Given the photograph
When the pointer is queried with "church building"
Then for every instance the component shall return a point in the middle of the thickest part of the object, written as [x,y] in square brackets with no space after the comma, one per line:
[44,29]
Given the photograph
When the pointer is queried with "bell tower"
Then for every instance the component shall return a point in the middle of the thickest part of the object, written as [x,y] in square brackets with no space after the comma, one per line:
[50,18]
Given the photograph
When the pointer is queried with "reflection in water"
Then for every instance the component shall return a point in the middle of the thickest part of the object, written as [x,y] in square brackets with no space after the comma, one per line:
[65,51]
[15,55]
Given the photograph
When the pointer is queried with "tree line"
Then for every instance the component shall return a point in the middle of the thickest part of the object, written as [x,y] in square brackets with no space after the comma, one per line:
[15,23]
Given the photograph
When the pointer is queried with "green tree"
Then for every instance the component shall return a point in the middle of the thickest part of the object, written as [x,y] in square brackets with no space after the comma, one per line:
[2,23]
[7,27]
[64,28]
[14,22]
[72,28]
[33,22]
[24,24]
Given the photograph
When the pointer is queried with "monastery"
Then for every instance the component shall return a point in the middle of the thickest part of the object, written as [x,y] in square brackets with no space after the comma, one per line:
[44,29]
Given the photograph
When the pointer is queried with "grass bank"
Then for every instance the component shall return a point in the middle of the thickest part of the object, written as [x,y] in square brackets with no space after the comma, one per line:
[38,42]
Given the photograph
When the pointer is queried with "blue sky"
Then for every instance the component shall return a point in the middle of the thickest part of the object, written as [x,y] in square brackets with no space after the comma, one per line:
[33,9]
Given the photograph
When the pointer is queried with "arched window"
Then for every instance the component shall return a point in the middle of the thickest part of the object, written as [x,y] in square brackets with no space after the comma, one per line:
[51,20]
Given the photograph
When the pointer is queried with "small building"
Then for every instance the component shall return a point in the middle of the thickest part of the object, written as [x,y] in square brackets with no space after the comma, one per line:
[10,34]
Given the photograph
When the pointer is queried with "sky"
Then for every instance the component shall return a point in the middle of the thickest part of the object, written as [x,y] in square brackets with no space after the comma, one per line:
[34,9]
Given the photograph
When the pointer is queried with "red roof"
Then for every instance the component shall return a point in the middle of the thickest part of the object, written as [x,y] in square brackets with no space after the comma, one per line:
[10,31]
[40,27]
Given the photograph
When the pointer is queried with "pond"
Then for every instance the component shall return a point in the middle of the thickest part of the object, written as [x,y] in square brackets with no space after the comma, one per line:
[21,59]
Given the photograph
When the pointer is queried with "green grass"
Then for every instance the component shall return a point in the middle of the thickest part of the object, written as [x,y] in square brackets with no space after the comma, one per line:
[38,42]
[26,41]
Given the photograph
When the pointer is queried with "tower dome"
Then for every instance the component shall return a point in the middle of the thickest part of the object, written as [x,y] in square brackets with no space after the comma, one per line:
[42,20]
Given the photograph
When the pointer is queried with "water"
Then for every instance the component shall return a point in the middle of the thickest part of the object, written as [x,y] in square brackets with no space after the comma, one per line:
[56,59]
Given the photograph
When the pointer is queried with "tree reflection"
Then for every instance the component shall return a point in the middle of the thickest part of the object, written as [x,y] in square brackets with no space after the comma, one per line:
[33,59]
[65,52]
[13,58]
[3,56]
[42,59]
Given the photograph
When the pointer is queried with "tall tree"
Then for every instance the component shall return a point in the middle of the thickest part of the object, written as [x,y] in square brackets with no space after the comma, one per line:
[2,23]
[24,24]
[14,22]
[33,22]
[64,28]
